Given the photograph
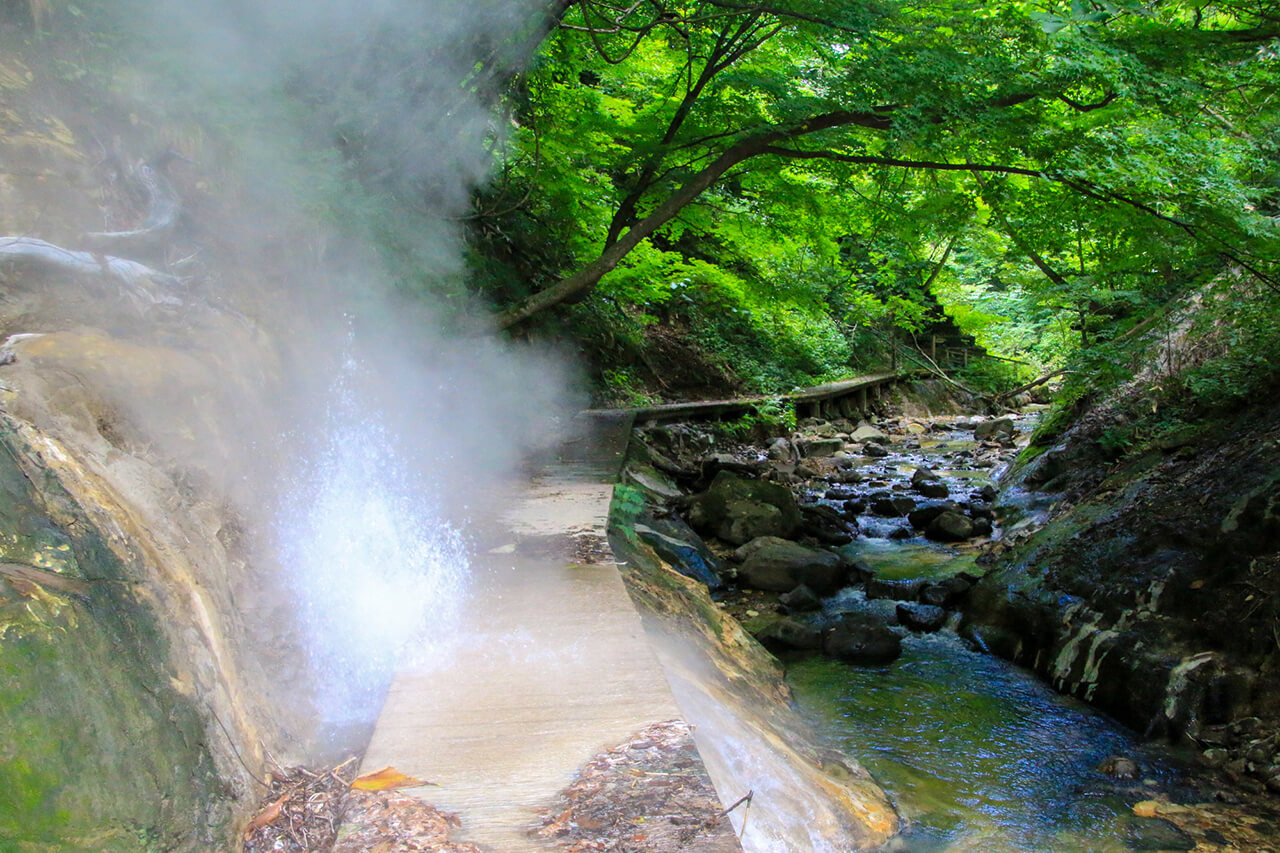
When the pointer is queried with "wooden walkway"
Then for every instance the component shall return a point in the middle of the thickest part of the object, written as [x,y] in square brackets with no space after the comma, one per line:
[846,397]
[548,667]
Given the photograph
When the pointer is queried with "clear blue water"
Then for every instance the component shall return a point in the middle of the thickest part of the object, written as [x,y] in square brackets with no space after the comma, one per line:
[980,755]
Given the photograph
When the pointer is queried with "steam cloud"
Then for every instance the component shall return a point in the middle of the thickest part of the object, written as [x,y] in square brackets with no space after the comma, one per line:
[395,428]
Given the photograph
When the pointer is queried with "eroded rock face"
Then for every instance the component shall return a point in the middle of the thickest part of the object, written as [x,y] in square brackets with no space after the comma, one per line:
[1137,597]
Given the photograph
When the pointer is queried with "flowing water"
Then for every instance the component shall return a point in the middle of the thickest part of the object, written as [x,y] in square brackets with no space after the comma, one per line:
[979,755]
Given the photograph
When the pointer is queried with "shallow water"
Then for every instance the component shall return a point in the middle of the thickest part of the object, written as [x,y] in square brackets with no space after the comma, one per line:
[981,755]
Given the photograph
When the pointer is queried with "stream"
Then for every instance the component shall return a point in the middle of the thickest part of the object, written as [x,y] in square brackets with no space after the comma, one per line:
[978,754]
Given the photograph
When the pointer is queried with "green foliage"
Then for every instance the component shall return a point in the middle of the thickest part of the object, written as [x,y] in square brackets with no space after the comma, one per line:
[773,417]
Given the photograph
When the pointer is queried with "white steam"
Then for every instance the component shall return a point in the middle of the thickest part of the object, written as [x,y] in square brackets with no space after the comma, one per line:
[395,435]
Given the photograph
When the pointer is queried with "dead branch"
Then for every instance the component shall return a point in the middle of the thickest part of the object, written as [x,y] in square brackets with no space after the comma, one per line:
[163,208]
[140,280]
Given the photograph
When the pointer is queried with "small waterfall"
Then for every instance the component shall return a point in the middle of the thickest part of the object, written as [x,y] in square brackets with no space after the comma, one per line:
[374,565]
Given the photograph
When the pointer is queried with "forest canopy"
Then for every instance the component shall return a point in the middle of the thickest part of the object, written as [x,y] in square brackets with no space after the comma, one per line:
[810,172]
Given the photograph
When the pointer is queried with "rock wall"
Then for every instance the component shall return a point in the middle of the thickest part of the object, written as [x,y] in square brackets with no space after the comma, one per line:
[1153,591]
[146,660]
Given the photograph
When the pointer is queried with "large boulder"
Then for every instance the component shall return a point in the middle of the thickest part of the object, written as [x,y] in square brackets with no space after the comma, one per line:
[738,510]
[994,430]
[862,639]
[819,447]
[866,432]
[925,618]
[950,526]
[781,633]
[780,565]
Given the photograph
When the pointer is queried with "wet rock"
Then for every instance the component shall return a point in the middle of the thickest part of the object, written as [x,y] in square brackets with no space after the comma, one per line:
[861,639]
[820,447]
[892,507]
[779,565]
[922,517]
[800,600]
[875,451]
[899,534]
[781,632]
[1215,756]
[994,429]
[781,450]
[949,526]
[925,618]
[807,472]
[899,590]
[738,511]
[987,493]
[680,547]
[1119,767]
[717,462]
[982,527]
[923,474]
[658,486]
[933,489]
[945,593]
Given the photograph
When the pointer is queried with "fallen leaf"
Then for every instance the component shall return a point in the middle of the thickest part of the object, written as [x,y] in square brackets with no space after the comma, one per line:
[385,779]
[266,816]
[1146,808]
[1197,584]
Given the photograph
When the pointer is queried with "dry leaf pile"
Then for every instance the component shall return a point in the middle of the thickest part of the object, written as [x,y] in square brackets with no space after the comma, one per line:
[302,811]
[387,822]
[647,795]
[339,812]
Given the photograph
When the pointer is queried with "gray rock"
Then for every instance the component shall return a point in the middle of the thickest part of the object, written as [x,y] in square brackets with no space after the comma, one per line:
[994,429]
[820,447]
[1157,834]
[922,517]
[892,507]
[800,600]
[1215,756]
[653,482]
[874,450]
[923,474]
[780,632]
[779,565]
[899,590]
[869,434]
[949,526]
[781,450]
[921,617]
[861,639]
[738,510]
[934,489]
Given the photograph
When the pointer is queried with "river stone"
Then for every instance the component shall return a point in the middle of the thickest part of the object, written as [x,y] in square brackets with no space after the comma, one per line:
[945,593]
[876,451]
[738,511]
[819,447]
[779,565]
[949,526]
[780,632]
[869,434]
[923,474]
[781,450]
[899,590]
[861,639]
[994,429]
[800,600]
[922,517]
[921,617]
[933,489]
[892,507]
